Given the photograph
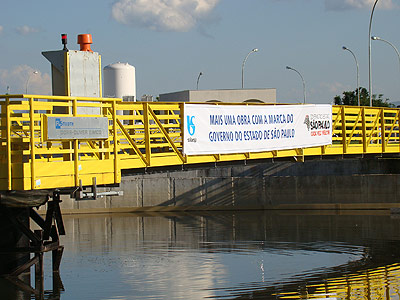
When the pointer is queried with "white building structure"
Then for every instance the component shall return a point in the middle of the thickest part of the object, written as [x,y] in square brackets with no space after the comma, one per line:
[229,96]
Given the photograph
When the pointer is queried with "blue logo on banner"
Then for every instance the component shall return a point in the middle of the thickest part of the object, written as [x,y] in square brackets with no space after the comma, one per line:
[190,125]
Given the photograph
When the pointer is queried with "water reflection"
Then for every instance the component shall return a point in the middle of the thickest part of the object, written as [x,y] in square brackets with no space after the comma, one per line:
[229,255]
[377,283]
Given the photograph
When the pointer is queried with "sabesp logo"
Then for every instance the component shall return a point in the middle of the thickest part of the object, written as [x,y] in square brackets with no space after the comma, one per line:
[307,122]
[60,123]
[190,125]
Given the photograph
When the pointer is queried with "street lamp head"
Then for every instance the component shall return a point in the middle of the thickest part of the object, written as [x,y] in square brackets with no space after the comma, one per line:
[29,77]
[255,50]
[344,48]
[375,38]
[289,68]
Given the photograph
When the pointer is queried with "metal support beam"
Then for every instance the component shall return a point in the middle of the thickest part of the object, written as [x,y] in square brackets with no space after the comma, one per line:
[39,244]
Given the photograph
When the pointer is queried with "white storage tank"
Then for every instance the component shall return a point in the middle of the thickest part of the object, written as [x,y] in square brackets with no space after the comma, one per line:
[120,81]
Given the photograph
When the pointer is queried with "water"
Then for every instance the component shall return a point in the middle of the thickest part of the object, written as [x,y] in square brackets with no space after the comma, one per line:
[227,255]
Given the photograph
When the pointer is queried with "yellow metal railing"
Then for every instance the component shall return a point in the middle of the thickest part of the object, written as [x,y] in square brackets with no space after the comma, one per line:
[143,134]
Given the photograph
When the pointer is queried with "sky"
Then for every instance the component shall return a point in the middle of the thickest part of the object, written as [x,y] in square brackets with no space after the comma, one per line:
[170,42]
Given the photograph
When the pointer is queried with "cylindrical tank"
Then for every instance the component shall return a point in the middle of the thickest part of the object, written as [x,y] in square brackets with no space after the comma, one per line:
[119,81]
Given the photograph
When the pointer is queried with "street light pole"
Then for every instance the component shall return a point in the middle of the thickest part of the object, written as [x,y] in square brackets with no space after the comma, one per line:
[244,62]
[358,77]
[376,38]
[302,79]
[27,81]
[198,78]
[369,55]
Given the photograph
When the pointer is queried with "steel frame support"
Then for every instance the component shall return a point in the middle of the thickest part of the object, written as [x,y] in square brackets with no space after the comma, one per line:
[40,241]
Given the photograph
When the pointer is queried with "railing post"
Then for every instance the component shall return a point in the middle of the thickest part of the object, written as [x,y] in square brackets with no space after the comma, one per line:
[115,138]
[76,146]
[383,132]
[147,132]
[398,126]
[344,140]
[182,127]
[364,131]
[32,141]
[9,156]
[182,114]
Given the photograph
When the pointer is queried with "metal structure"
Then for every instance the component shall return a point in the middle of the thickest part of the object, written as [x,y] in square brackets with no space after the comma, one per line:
[369,54]
[27,81]
[302,80]
[146,135]
[358,76]
[40,241]
[198,79]
[376,38]
[244,63]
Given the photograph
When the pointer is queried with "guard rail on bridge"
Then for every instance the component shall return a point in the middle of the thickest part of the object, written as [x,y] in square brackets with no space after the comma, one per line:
[143,134]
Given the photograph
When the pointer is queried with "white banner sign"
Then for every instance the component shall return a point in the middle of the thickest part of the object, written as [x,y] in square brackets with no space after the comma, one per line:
[219,129]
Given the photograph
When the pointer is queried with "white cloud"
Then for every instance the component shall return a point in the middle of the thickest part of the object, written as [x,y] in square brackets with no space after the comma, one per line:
[18,77]
[358,4]
[336,87]
[25,30]
[162,15]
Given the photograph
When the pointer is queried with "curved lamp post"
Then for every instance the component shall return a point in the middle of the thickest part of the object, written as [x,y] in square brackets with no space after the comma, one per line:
[198,78]
[369,55]
[302,79]
[358,77]
[27,81]
[376,38]
[244,62]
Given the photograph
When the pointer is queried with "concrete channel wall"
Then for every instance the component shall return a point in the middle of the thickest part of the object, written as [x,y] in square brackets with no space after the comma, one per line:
[359,183]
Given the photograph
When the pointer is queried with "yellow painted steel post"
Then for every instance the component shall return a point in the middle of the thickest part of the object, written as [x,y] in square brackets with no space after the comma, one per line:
[182,113]
[9,157]
[382,133]
[182,126]
[74,107]
[364,131]
[32,141]
[344,140]
[398,125]
[147,132]
[76,145]
[115,137]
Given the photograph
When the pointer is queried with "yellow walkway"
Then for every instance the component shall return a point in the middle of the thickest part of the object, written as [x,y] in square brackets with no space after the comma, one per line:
[145,134]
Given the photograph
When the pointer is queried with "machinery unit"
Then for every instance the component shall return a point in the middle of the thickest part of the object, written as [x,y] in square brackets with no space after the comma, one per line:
[76,73]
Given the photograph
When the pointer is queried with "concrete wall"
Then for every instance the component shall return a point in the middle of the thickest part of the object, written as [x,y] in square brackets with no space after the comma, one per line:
[319,184]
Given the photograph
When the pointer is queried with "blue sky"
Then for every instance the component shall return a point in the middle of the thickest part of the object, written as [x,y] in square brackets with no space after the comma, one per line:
[170,41]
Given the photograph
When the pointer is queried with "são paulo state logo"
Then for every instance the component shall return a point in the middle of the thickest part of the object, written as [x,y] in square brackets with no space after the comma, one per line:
[307,122]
